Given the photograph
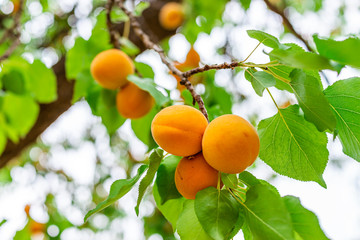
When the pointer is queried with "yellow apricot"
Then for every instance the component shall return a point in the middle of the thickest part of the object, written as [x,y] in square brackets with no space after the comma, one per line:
[230,144]
[171,15]
[193,174]
[110,68]
[179,129]
[133,102]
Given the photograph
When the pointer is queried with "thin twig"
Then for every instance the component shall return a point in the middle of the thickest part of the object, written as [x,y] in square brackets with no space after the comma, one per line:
[151,45]
[14,31]
[113,37]
[293,31]
[288,24]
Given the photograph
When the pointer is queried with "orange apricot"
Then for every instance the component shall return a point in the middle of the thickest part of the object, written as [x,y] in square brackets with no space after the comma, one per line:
[230,144]
[110,68]
[133,102]
[193,174]
[36,227]
[27,210]
[171,15]
[192,58]
[179,129]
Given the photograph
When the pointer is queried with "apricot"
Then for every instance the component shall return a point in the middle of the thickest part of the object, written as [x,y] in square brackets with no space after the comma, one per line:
[36,227]
[171,15]
[192,58]
[193,174]
[110,68]
[179,129]
[27,210]
[230,144]
[133,102]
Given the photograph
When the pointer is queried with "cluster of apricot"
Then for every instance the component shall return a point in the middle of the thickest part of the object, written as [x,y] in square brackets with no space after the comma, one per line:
[228,144]
[110,69]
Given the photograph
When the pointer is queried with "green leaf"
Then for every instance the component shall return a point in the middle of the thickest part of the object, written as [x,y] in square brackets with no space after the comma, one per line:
[264,38]
[300,59]
[145,70]
[345,52]
[230,180]
[3,222]
[165,179]
[149,85]
[142,128]
[42,82]
[79,57]
[117,190]
[14,81]
[3,140]
[154,162]
[266,214]
[188,225]
[292,146]
[171,209]
[140,7]
[308,92]
[15,104]
[283,72]
[23,234]
[304,221]
[245,4]
[83,85]
[102,102]
[217,212]
[345,102]
[261,80]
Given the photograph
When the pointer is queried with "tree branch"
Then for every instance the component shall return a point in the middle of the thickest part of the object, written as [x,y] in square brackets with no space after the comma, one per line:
[287,23]
[151,45]
[50,112]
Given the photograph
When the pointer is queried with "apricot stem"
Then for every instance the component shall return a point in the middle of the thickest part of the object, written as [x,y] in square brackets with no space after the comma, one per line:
[236,196]
[252,51]
[219,181]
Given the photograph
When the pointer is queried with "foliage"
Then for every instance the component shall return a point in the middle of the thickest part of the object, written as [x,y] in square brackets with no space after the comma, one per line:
[293,142]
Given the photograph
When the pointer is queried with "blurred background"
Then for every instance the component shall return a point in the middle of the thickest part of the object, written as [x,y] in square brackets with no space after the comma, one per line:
[71,166]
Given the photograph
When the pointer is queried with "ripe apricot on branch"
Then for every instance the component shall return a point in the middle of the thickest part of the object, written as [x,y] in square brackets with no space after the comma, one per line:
[230,144]
[193,174]
[133,102]
[171,15]
[111,67]
[179,130]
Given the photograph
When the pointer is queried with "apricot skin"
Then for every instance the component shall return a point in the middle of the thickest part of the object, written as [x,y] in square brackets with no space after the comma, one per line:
[194,174]
[230,144]
[133,102]
[111,67]
[192,58]
[179,130]
[171,15]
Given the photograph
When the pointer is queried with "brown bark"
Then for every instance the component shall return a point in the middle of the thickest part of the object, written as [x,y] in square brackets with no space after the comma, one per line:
[50,112]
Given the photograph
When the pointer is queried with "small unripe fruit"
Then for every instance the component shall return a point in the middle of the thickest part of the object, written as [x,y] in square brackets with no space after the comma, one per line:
[171,15]
[110,68]
[230,144]
[179,130]
[133,102]
[194,174]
